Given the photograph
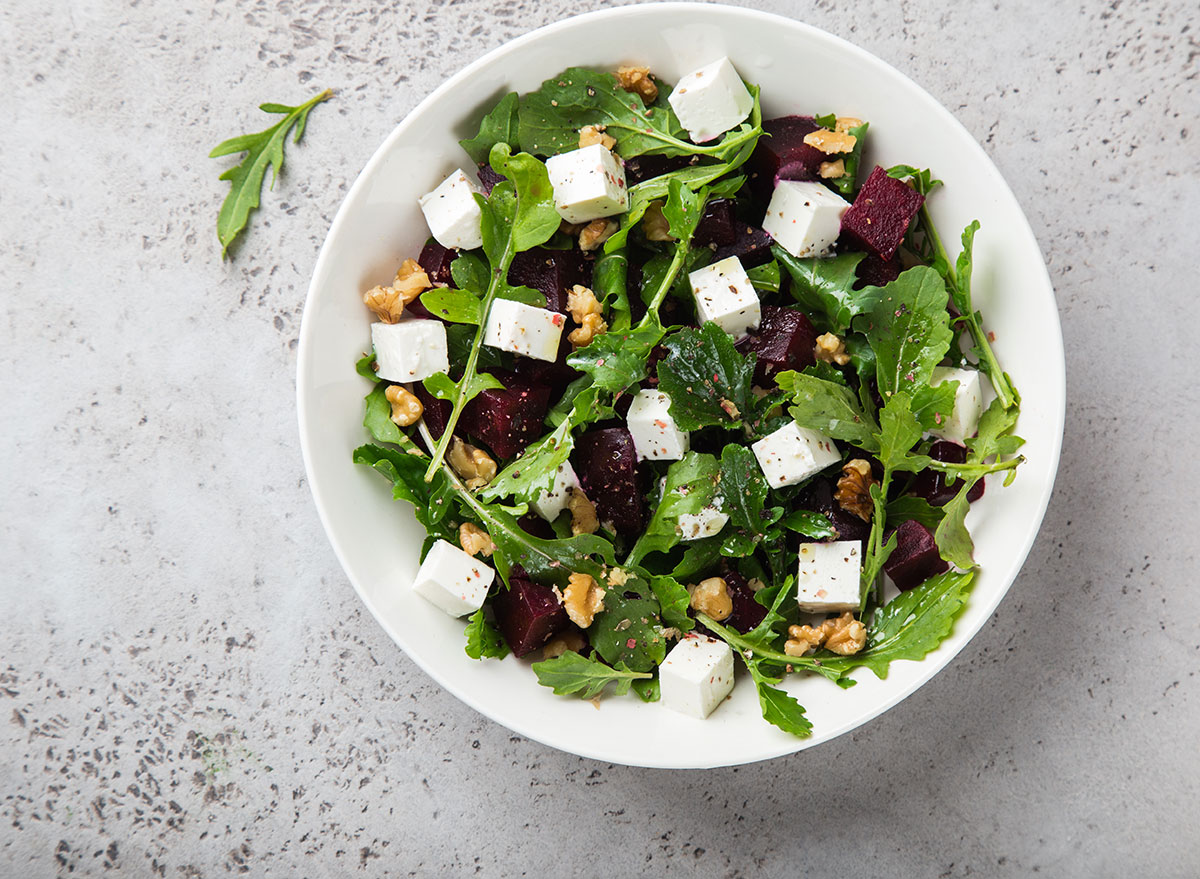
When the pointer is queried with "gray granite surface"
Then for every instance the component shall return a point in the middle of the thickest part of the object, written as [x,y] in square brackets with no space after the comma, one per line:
[190,686]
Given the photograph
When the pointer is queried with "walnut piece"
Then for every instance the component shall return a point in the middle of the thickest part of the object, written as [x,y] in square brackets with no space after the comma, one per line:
[831,143]
[711,598]
[831,349]
[472,464]
[617,577]
[583,513]
[581,301]
[832,170]
[843,635]
[474,540]
[843,124]
[654,225]
[802,639]
[388,302]
[583,599]
[854,489]
[556,647]
[593,325]
[406,408]
[640,81]
[596,233]
[590,135]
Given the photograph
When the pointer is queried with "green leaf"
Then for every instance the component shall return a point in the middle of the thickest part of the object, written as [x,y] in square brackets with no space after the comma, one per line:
[779,708]
[933,405]
[456,306]
[629,630]
[909,330]
[847,183]
[432,501]
[484,639]
[994,436]
[829,408]
[571,673]
[707,379]
[648,689]
[810,524]
[899,432]
[765,278]
[642,194]
[922,181]
[743,492]
[683,209]
[377,418]
[673,599]
[617,360]
[691,485]
[918,509]
[825,288]
[700,556]
[263,150]
[953,540]
[498,126]
[365,366]
[609,283]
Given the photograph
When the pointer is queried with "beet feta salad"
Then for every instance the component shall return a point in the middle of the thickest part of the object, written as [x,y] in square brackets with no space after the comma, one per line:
[670,383]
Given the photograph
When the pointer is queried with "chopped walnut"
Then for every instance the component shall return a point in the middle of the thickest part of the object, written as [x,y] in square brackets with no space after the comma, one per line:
[556,647]
[406,408]
[596,233]
[854,489]
[474,540]
[802,639]
[583,513]
[640,81]
[831,349]
[472,464]
[654,225]
[832,170]
[845,635]
[590,135]
[830,142]
[388,302]
[711,598]
[593,325]
[617,577]
[583,599]
[843,124]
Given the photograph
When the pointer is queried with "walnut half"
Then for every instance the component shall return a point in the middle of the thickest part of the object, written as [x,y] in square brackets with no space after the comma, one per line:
[583,599]
[472,464]
[843,635]
[640,81]
[474,540]
[711,598]
[854,489]
[406,408]
[831,349]
[388,303]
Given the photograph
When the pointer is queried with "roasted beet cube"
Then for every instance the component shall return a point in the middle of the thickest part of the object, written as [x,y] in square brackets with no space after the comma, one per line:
[915,558]
[555,376]
[534,524]
[875,272]
[488,178]
[606,462]
[552,272]
[527,613]
[784,152]
[641,168]
[717,224]
[931,484]
[437,412]
[784,340]
[435,260]
[820,499]
[747,613]
[508,420]
[750,244]
[880,215]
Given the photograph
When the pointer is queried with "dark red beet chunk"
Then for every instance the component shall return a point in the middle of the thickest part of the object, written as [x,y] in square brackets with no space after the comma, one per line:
[534,524]
[875,272]
[915,558]
[880,215]
[552,272]
[784,155]
[931,484]
[717,224]
[606,462]
[642,168]
[508,420]
[488,178]
[555,375]
[784,340]
[747,613]
[435,260]
[820,499]
[751,245]
[528,614]
[437,412]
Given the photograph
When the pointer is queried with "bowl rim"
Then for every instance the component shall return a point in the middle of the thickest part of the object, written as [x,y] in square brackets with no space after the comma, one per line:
[1055,383]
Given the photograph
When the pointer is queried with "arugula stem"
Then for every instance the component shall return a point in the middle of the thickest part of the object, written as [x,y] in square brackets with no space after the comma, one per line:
[672,272]
[743,645]
[873,563]
[976,469]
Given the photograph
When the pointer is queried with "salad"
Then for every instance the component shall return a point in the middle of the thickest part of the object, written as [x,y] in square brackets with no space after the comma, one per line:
[671,384]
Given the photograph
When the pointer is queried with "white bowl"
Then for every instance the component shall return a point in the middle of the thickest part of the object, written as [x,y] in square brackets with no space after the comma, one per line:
[377,539]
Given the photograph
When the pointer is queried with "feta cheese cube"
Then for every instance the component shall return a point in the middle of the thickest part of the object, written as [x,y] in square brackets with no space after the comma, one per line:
[963,421]
[654,433]
[550,503]
[794,453]
[589,183]
[696,676]
[452,213]
[804,218]
[725,296]
[711,100]
[706,523]
[828,576]
[409,350]
[524,329]
[454,581]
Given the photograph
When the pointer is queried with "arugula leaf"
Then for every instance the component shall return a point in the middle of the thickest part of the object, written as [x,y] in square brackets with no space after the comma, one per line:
[954,542]
[673,600]
[899,431]
[743,492]
[609,282]
[641,195]
[616,360]
[810,524]
[830,408]
[263,150]
[765,278]
[460,338]
[825,288]
[484,639]
[629,630]
[456,306]
[922,181]
[683,209]
[847,183]
[932,405]
[377,417]
[699,556]
[918,509]
[498,126]
[648,689]
[571,673]
[365,366]
[994,436]
[431,501]
[778,707]
[908,328]
[707,379]
[691,485]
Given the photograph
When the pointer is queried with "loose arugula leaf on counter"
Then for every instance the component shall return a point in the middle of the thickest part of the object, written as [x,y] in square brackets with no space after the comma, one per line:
[707,379]
[690,486]
[830,408]
[825,288]
[743,492]
[498,126]
[571,673]
[263,150]
[484,639]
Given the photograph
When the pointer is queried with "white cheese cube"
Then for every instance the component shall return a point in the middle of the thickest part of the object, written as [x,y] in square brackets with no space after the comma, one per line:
[794,453]
[452,213]
[550,503]
[711,100]
[963,422]
[804,218]
[409,350]
[696,675]
[706,523]
[589,183]
[725,296]
[454,581]
[829,576]
[524,329]
[654,433]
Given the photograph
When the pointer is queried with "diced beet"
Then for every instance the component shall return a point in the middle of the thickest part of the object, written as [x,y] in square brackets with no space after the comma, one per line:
[556,375]
[527,613]
[552,272]
[437,412]
[717,224]
[784,152]
[931,484]
[534,524]
[820,499]
[606,462]
[657,355]
[642,168]
[488,178]
[875,272]
[435,260]
[784,340]
[508,420]
[880,215]
[747,613]
[915,558]
[751,245]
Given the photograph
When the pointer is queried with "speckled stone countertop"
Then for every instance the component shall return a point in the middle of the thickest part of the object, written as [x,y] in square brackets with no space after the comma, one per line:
[190,685]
